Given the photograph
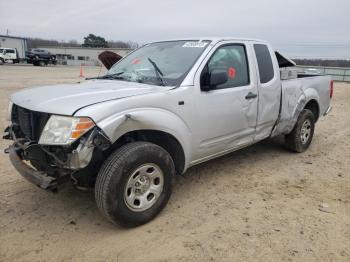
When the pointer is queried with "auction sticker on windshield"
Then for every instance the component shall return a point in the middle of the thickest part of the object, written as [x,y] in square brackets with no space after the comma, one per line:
[195,44]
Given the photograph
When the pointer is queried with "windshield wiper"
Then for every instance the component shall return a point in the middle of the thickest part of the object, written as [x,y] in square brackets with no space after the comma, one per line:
[110,76]
[158,72]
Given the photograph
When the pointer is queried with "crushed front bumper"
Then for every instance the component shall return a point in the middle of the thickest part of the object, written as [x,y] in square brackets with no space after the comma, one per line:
[37,178]
[50,167]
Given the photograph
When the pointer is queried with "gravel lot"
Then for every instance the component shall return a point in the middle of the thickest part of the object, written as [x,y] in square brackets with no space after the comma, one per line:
[261,203]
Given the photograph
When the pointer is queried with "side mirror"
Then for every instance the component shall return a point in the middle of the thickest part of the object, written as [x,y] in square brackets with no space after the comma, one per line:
[211,80]
[217,77]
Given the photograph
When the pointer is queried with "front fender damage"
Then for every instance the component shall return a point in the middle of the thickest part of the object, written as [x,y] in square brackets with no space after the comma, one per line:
[82,155]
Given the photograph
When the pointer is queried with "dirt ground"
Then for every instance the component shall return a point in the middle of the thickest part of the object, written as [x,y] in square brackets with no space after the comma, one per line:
[261,203]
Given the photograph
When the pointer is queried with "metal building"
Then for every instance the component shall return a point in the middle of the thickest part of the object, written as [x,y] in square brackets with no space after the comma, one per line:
[81,55]
[19,43]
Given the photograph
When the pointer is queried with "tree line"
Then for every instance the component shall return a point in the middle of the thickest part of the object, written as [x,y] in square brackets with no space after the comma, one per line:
[90,40]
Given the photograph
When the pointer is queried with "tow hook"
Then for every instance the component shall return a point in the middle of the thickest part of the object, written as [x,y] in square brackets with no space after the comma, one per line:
[7,150]
[7,135]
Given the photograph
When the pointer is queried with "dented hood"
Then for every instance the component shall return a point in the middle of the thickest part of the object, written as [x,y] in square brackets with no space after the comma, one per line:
[67,99]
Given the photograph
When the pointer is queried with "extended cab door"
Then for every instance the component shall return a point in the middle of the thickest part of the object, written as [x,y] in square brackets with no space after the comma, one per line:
[226,113]
[269,86]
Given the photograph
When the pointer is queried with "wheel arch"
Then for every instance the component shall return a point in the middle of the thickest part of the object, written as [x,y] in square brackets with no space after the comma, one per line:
[314,107]
[163,139]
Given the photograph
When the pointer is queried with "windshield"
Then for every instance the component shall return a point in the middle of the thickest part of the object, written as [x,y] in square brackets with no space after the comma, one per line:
[162,63]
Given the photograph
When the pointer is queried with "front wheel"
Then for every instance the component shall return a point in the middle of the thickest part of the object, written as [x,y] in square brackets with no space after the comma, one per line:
[301,136]
[134,184]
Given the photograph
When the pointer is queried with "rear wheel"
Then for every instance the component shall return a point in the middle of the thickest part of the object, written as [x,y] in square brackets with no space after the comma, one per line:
[134,184]
[301,136]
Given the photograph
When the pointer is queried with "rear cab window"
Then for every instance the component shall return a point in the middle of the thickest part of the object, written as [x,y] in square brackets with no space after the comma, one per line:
[265,66]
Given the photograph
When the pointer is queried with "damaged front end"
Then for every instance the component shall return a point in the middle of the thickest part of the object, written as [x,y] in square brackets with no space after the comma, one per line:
[49,166]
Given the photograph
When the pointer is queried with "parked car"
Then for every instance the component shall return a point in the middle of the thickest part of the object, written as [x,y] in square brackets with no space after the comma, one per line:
[40,57]
[157,112]
[9,55]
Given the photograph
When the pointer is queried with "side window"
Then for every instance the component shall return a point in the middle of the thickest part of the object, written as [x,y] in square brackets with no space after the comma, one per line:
[231,59]
[9,51]
[265,65]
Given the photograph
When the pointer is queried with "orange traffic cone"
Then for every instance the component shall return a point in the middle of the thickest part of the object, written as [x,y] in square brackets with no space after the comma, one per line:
[81,71]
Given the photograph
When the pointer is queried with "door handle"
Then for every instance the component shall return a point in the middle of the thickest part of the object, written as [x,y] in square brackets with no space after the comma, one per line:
[251,96]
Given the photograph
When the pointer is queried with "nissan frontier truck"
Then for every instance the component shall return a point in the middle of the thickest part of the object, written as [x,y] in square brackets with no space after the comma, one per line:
[160,110]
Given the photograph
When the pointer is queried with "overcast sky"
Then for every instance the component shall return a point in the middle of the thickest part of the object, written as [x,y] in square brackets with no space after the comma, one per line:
[304,28]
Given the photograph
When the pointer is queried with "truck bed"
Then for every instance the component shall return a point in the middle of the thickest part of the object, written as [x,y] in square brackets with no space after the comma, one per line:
[293,100]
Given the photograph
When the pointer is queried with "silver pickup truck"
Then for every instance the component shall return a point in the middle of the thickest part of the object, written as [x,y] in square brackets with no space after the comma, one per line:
[163,108]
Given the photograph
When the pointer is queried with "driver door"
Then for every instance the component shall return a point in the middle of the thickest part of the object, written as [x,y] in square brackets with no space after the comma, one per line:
[226,113]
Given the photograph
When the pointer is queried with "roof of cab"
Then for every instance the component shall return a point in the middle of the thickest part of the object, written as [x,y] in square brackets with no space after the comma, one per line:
[215,39]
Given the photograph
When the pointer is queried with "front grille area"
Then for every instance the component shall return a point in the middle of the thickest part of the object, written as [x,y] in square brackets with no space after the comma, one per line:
[30,123]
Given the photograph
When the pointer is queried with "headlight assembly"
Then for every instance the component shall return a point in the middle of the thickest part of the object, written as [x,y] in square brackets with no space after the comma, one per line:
[62,130]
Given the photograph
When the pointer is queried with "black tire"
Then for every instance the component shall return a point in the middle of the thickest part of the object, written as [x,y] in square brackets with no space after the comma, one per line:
[113,177]
[2,61]
[294,140]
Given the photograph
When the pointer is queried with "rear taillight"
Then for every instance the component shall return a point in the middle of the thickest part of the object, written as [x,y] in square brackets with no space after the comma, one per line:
[331,89]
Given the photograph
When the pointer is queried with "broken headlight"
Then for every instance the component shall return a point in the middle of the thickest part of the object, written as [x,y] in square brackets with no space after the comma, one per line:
[62,130]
